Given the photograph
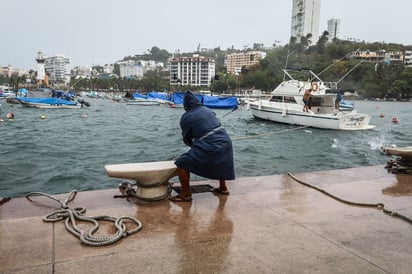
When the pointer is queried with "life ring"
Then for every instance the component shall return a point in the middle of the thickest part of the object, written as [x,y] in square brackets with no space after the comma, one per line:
[315,86]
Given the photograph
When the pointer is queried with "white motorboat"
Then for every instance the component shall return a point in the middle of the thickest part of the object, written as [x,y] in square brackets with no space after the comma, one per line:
[142,102]
[48,103]
[286,105]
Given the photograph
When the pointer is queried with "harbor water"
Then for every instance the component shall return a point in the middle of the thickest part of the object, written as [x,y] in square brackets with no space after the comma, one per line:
[58,150]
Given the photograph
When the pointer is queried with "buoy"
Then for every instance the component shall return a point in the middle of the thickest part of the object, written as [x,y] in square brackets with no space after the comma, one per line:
[42,116]
[381,115]
[10,115]
[1,120]
[395,120]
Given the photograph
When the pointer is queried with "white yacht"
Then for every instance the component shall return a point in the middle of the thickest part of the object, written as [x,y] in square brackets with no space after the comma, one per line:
[286,105]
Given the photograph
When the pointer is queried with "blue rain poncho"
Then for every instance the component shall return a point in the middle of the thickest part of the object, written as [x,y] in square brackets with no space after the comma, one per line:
[211,153]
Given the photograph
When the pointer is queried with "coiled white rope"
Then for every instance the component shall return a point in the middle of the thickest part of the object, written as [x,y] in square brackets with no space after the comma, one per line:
[86,237]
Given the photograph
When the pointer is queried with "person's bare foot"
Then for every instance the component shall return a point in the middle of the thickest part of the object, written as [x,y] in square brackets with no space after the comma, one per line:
[220,191]
[180,198]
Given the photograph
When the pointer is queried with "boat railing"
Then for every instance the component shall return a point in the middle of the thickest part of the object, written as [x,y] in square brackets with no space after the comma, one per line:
[331,85]
[313,76]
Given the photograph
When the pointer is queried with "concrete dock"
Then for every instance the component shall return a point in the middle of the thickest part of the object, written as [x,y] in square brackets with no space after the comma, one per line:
[268,224]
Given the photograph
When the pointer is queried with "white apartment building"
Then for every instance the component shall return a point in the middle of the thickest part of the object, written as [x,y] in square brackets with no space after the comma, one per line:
[235,61]
[82,72]
[139,68]
[305,19]
[408,58]
[333,28]
[108,69]
[131,69]
[192,71]
[57,69]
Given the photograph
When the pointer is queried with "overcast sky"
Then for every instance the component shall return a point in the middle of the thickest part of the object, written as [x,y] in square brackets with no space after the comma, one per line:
[104,31]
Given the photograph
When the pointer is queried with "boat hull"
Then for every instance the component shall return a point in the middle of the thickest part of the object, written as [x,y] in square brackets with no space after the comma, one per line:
[51,106]
[336,121]
[143,103]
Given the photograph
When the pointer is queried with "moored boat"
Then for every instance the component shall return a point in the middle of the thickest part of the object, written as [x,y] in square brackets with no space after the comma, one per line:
[140,100]
[345,105]
[50,99]
[286,105]
[48,103]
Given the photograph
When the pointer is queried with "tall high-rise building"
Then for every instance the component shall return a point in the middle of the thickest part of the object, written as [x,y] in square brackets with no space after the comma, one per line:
[333,28]
[305,19]
[57,68]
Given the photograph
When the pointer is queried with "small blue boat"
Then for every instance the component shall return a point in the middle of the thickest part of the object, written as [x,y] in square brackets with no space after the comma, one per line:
[48,103]
[346,105]
[47,98]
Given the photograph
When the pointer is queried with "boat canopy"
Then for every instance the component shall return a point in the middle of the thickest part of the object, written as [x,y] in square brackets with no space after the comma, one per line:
[216,102]
[219,102]
[48,101]
[158,95]
[137,95]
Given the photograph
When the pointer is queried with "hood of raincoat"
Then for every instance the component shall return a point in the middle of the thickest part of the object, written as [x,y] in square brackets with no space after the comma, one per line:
[190,101]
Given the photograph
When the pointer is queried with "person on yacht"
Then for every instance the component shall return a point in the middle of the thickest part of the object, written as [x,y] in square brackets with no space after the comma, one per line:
[211,152]
[339,97]
[307,96]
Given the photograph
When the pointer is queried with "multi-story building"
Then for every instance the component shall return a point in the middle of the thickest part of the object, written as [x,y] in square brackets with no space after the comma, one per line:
[372,56]
[333,28]
[192,71]
[82,72]
[236,61]
[9,71]
[130,69]
[138,68]
[383,56]
[408,58]
[108,68]
[57,69]
[305,19]
[394,56]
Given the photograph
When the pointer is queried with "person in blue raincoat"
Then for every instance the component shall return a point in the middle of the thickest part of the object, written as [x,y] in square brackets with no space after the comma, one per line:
[211,151]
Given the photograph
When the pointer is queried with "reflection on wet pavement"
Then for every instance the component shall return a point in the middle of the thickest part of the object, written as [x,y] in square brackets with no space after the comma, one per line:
[401,187]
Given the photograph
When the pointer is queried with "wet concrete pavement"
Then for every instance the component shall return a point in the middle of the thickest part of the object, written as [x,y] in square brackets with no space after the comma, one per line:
[268,224]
